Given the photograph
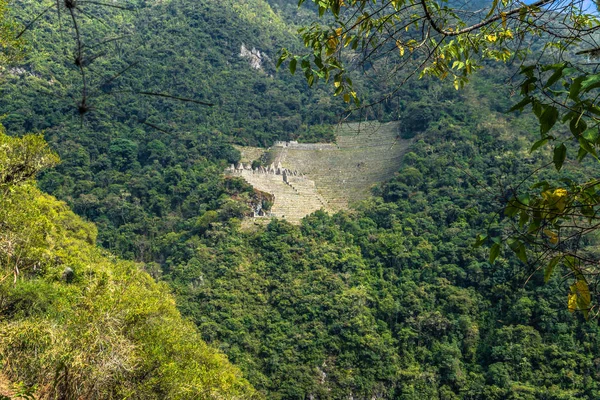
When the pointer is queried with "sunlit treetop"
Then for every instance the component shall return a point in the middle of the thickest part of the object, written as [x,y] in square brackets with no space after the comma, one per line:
[11,45]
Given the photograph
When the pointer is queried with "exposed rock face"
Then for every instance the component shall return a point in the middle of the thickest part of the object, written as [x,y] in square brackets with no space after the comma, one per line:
[254,56]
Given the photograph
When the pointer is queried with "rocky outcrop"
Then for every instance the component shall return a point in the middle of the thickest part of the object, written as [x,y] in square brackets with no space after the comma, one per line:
[254,56]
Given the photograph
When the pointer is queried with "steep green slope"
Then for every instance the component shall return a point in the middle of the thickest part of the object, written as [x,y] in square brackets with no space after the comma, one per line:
[387,301]
[391,300]
[186,49]
[76,322]
[139,165]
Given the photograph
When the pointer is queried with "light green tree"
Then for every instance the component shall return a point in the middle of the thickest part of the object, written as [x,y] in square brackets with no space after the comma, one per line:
[11,45]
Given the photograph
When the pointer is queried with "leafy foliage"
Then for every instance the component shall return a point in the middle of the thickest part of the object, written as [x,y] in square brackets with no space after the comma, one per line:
[400,39]
[11,45]
[392,299]
[557,219]
[79,323]
[422,37]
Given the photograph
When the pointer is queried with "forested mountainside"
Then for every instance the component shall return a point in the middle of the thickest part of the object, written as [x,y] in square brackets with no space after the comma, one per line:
[391,300]
[138,165]
[78,323]
[387,300]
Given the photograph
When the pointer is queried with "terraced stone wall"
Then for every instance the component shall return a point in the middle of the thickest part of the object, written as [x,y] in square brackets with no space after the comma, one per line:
[327,176]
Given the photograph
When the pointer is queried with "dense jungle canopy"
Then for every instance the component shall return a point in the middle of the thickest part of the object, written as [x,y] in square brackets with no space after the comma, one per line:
[125,269]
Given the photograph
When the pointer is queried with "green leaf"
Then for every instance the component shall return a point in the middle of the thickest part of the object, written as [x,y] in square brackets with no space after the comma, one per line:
[293,63]
[538,144]
[480,239]
[524,198]
[510,210]
[494,252]
[523,218]
[591,135]
[519,249]
[581,153]
[587,146]
[568,116]
[590,83]
[577,126]
[575,88]
[548,118]
[319,62]
[528,70]
[281,59]
[560,153]
[519,106]
[555,77]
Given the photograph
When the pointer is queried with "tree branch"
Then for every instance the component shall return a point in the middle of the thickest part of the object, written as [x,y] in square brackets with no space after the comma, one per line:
[481,24]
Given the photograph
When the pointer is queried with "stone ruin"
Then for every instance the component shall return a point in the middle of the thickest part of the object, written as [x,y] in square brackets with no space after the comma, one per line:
[293,195]
[272,169]
[332,174]
[292,144]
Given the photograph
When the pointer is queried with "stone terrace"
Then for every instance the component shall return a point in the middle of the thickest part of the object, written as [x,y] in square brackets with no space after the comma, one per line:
[366,154]
[307,177]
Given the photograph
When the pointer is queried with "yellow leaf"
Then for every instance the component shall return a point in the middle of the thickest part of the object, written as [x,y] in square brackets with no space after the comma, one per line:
[332,43]
[546,194]
[560,192]
[552,235]
[583,291]
[503,15]
[572,302]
